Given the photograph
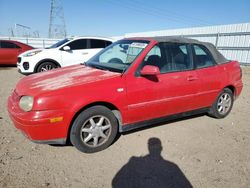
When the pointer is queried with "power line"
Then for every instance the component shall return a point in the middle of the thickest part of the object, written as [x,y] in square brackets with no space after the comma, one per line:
[22,30]
[159,13]
[138,10]
[169,12]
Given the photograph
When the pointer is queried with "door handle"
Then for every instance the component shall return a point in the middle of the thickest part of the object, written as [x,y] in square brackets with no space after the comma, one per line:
[192,78]
[85,53]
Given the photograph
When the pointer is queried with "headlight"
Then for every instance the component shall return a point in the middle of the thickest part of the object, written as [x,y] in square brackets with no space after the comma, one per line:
[26,103]
[32,53]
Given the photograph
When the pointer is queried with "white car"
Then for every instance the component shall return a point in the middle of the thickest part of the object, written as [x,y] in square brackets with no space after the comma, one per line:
[66,52]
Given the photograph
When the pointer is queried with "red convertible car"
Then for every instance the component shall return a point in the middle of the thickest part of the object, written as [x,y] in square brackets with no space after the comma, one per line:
[132,83]
[9,50]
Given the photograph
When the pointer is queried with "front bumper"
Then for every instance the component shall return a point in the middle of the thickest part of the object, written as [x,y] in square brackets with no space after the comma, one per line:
[37,125]
[31,65]
[24,73]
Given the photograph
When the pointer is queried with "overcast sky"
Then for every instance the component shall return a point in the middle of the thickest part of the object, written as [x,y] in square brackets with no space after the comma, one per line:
[117,17]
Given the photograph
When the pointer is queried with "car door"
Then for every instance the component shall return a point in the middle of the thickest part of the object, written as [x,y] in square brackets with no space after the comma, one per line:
[8,52]
[78,52]
[172,91]
[209,74]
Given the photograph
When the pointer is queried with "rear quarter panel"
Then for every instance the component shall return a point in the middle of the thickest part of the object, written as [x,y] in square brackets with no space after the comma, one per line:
[214,79]
[234,76]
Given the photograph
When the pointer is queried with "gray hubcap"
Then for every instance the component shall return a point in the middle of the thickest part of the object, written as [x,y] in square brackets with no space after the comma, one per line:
[95,131]
[224,103]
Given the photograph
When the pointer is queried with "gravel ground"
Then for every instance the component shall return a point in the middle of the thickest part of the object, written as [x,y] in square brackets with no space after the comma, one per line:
[198,151]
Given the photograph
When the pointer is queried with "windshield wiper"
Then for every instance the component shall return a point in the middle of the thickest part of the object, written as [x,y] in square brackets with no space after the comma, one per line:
[124,70]
[98,67]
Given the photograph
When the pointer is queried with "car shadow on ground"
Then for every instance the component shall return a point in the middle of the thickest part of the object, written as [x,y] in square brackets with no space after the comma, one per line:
[7,66]
[68,143]
[151,170]
[165,123]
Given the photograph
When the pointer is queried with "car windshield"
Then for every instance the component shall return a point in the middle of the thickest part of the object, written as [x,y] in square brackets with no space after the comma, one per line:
[59,43]
[118,56]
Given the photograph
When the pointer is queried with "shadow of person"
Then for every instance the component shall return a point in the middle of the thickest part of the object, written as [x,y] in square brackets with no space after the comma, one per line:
[150,171]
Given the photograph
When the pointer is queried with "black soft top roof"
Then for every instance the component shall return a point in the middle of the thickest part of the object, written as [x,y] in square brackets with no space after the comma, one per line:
[218,57]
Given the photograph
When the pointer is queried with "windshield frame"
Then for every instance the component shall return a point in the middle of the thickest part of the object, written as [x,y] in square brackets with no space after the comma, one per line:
[103,66]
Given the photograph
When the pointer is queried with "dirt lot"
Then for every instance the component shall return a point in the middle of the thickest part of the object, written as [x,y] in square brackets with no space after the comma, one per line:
[198,152]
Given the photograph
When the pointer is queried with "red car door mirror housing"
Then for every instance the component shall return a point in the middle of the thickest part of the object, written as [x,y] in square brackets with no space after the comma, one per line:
[149,70]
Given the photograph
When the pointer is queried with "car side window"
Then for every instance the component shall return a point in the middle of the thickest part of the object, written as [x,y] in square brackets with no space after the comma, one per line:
[177,57]
[169,57]
[96,43]
[202,58]
[78,44]
[5,44]
[154,58]
[154,51]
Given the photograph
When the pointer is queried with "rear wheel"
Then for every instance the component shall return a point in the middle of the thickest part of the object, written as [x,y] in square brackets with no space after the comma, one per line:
[94,129]
[223,104]
[45,66]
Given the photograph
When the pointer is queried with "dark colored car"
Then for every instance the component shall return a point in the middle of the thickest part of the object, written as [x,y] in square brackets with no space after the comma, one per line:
[9,50]
[132,83]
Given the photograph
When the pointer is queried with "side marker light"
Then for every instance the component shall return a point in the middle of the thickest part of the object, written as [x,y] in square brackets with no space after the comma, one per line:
[56,119]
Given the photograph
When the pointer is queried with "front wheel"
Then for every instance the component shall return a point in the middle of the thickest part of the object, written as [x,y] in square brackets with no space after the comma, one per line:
[94,129]
[223,104]
[45,66]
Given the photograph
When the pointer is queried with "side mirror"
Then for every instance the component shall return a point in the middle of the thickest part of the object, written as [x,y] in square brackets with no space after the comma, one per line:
[150,70]
[66,48]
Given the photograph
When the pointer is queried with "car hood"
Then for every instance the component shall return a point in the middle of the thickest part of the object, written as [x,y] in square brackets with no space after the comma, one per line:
[29,51]
[41,50]
[61,78]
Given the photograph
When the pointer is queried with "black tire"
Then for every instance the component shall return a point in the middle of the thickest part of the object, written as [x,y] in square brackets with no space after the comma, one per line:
[223,104]
[45,66]
[89,129]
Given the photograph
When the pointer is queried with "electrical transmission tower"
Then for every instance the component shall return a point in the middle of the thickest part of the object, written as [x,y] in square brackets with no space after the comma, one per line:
[57,27]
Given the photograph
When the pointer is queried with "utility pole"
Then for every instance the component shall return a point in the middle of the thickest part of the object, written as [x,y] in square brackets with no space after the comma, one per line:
[11,31]
[57,27]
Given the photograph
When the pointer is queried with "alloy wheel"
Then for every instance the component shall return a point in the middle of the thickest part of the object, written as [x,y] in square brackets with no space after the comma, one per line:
[95,131]
[47,67]
[224,103]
